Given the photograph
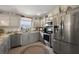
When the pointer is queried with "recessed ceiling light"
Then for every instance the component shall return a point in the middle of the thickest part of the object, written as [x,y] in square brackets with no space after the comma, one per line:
[38,14]
[45,12]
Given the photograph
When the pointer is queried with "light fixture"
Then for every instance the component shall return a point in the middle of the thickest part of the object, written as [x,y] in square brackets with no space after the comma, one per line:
[46,24]
[38,14]
[3,22]
[45,12]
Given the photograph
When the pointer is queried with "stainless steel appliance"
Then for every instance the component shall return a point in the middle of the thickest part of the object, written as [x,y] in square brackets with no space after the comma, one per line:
[48,30]
[67,36]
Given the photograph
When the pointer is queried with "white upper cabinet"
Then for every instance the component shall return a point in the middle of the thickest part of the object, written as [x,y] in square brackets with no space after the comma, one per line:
[14,20]
[4,20]
[11,19]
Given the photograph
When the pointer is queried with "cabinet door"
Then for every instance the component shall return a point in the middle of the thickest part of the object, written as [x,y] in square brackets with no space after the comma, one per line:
[41,36]
[33,37]
[4,20]
[52,39]
[6,47]
[15,40]
[37,36]
[8,43]
[1,49]
[14,20]
[12,41]
[25,39]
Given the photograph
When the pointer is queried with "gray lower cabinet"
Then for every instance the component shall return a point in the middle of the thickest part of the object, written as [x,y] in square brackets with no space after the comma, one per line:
[30,37]
[25,39]
[41,37]
[1,48]
[33,37]
[15,40]
[52,40]
[8,42]
[5,46]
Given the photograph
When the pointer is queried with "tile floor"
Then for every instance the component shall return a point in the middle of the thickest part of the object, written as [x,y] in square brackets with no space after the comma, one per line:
[35,48]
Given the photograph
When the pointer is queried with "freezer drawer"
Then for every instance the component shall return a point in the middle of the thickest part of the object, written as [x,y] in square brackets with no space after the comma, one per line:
[61,47]
[57,47]
[65,48]
[74,49]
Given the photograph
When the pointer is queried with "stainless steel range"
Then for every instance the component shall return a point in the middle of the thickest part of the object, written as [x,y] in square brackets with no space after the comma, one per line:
[48,29]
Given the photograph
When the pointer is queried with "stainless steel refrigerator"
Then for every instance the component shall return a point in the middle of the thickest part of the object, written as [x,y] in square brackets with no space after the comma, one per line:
[67,36]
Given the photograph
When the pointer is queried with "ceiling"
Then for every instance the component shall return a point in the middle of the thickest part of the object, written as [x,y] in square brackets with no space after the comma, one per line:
[28,10]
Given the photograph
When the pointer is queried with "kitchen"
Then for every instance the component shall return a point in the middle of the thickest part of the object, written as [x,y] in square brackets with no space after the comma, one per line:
[18,30]
[38,29]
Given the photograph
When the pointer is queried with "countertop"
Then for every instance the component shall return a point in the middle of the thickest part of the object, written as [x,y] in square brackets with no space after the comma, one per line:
[4,36]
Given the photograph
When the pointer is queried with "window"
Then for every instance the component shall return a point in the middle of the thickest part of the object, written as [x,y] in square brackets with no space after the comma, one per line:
[25,23]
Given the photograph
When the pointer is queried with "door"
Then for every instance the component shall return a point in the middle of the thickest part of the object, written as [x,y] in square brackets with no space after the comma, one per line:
[75,28]
[66,28]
